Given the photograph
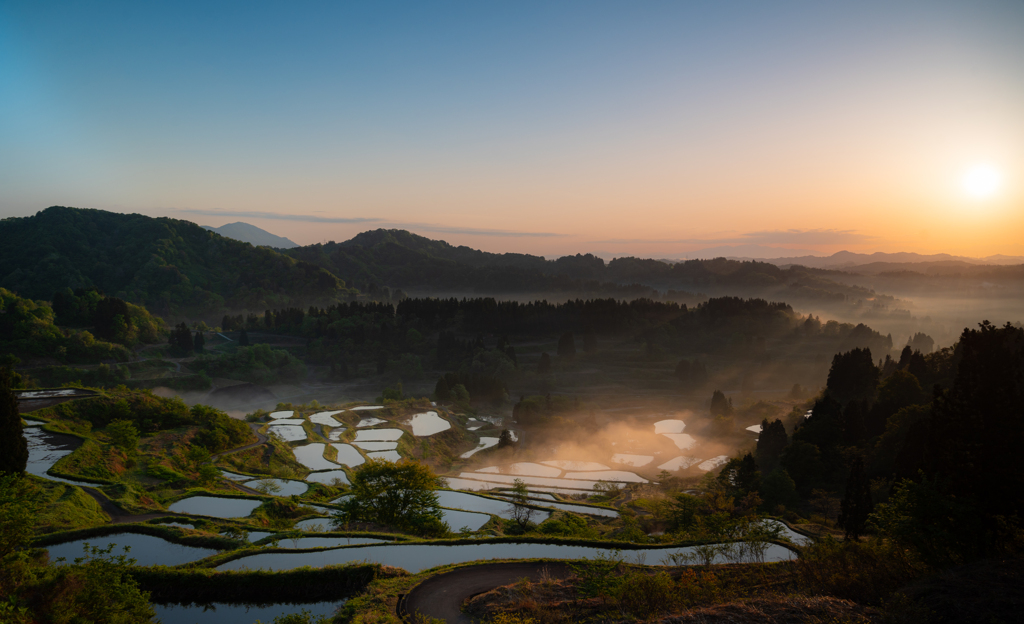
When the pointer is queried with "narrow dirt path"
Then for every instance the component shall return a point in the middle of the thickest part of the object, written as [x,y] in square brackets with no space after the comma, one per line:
[442,596]
[260,439]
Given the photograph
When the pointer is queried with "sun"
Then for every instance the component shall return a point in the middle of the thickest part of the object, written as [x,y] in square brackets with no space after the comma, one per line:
[982,181]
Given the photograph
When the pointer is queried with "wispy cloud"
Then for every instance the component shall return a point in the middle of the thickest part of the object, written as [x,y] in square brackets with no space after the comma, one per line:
[313,218]
[282,216]
[451,229]
[764,237]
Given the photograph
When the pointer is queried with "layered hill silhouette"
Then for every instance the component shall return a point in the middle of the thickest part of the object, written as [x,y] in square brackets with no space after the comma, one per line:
[421,265]
[173,267]
[178,269]
[248,233]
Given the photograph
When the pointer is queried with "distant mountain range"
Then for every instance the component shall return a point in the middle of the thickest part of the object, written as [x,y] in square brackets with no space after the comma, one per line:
[842,259]
[178,269]
[251,234]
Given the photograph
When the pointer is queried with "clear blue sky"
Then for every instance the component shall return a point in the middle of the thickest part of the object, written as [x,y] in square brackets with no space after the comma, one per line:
[551,127]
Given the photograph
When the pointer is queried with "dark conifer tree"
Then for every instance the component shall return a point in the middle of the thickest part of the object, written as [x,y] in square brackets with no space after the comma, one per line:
[770,444]
[566,345]
[853,376]
[441,390]
[544,366]
[243,338]
[720,406]
[748,477]
[198,342]
[13,445]
[856,505]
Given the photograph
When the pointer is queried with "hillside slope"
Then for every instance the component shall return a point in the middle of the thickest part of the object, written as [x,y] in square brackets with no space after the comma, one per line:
[400,259]
[253,235]
[170,266]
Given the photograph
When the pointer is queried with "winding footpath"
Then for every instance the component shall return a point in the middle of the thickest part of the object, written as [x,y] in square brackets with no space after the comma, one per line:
[442,596]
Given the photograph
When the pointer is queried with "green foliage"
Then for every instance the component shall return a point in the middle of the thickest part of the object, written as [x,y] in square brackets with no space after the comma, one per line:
[644,595]
[172,267]
[598,576]
[399,495]
[18,507]
[519,507]
[305,617]
[865,572]
[13,445]
[921,516]
[27,328]
[123,435]
[217,430]
[258,364]
[103,590]
[568,525]
[778,489]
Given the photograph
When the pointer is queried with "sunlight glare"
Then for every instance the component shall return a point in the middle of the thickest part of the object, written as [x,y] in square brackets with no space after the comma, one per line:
[982,181]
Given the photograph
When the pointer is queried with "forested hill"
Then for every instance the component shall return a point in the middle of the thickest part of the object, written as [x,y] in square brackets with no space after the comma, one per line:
[172,267]
[400,259]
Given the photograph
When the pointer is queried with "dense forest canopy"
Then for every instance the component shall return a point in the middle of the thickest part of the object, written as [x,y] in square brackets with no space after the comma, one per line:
[171,267]
[404,260]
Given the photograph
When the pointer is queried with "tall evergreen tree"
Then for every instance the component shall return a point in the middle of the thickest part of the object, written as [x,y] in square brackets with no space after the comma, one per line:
[566,345]
[199,342]
[544,366]
[13,445]
[720,406]
[856,505]
[853,376]
[441,390]
[243,339]
[770,444]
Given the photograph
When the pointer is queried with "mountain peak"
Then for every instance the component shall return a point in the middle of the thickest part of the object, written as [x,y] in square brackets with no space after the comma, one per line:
[248,233]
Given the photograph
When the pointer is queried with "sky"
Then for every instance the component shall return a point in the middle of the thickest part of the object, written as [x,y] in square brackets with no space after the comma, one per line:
[653,129]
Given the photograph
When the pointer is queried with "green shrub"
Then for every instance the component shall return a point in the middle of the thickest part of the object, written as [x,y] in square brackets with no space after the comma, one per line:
[644,595]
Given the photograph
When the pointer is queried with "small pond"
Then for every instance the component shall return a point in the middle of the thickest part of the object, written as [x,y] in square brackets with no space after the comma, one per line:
[312,456]
[607,475]
[315,525]
[378,435]
[523,468]
[283,414]
[568,464]
[324,418]
[682,441]
[388,455]
[348,456]
[255,536]
[363,408]
[427,424]
[376,446]
[278,487]
[679,463]
[485,442]
[544,482]
[325,542]
[713,463]
[669,426]
[476,485]
[45,448]
[458,519]
[417,557]
[289,433]
[335,434]
[215,506]
[469,502]
[234,476]
[637,461]
[327,476]
[145,549]
[221,613]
